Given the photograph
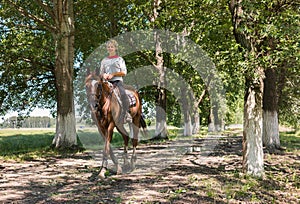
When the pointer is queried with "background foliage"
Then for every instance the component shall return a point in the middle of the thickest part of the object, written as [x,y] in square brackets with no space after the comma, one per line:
[27,54]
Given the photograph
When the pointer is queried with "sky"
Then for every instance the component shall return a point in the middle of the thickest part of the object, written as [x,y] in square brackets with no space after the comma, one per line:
[35,112]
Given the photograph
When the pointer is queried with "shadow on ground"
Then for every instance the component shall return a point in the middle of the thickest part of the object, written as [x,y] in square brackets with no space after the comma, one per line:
[199,176]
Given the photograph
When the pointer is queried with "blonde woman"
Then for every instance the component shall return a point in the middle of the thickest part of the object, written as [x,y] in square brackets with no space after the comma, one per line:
[113,69]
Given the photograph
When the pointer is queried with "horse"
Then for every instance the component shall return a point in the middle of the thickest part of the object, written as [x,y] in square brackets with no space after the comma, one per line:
[106,108]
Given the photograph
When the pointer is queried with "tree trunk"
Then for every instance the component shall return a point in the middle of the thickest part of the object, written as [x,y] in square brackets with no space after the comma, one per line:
[215,121]
[270,117]
[64,44]
[161,100]
[188,127]
[186,108]
[196,102]
[252,135]
[196,121]
[161,122]
[211,123]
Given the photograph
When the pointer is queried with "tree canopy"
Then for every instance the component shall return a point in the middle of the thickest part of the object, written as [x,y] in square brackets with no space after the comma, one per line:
[27,59]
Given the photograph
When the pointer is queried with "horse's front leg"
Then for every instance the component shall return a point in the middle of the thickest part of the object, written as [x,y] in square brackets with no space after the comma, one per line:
[104,165]
[127,165]
[133,158]
[116,162]
[111,152]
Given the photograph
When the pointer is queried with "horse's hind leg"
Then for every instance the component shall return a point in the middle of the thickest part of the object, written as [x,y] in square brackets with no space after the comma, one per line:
[111,153]
[135,130]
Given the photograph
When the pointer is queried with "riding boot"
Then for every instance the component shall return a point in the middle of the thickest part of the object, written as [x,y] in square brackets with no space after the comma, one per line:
[125,117]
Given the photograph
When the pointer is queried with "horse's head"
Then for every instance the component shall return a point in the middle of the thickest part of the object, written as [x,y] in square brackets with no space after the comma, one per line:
[97,89]
[92,82]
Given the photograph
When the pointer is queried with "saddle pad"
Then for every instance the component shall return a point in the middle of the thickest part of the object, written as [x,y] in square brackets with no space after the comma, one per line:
[131,98]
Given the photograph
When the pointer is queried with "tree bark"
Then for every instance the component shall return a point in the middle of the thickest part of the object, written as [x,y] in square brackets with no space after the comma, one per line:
[252,128]
[64,58]
[161,106]
[215,119]
[196,120]
[270,116]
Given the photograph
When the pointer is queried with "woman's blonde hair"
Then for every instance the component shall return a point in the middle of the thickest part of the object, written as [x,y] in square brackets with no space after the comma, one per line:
[113,42]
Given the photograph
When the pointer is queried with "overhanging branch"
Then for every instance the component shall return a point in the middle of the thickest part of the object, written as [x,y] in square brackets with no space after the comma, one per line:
[46,8]
[38,20]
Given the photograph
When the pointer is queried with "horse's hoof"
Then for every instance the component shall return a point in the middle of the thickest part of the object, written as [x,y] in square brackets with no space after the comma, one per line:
[102,176]
[102,173]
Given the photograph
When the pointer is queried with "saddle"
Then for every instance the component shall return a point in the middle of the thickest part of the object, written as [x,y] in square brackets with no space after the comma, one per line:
[128,91]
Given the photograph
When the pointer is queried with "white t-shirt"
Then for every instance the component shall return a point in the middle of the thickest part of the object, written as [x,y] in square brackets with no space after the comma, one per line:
[113,64]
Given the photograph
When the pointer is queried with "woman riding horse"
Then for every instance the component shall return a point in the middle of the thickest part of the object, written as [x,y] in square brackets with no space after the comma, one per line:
[106,110]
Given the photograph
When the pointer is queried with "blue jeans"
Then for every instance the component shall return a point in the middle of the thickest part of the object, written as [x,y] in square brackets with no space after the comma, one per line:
[124,98]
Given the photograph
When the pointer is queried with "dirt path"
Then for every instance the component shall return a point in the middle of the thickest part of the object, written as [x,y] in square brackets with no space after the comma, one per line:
[208,172]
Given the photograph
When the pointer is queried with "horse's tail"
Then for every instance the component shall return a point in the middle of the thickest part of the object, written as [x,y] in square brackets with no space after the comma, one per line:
[143,122]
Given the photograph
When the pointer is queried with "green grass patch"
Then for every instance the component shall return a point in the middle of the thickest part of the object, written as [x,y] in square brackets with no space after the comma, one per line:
[14,141]
[290,140]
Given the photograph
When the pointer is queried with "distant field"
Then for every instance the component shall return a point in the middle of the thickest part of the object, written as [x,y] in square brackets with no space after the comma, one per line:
[25,131]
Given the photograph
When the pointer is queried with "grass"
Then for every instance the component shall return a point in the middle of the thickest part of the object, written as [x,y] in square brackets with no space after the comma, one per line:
[19,141]
[92,140]
[290,140]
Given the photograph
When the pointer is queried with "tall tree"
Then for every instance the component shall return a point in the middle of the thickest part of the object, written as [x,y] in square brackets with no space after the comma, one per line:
[242,13]
[57,18]
[161,100]
[279,32]
[64,59]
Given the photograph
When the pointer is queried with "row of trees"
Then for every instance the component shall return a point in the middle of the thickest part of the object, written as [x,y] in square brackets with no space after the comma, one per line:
[28,122]
[254,46]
